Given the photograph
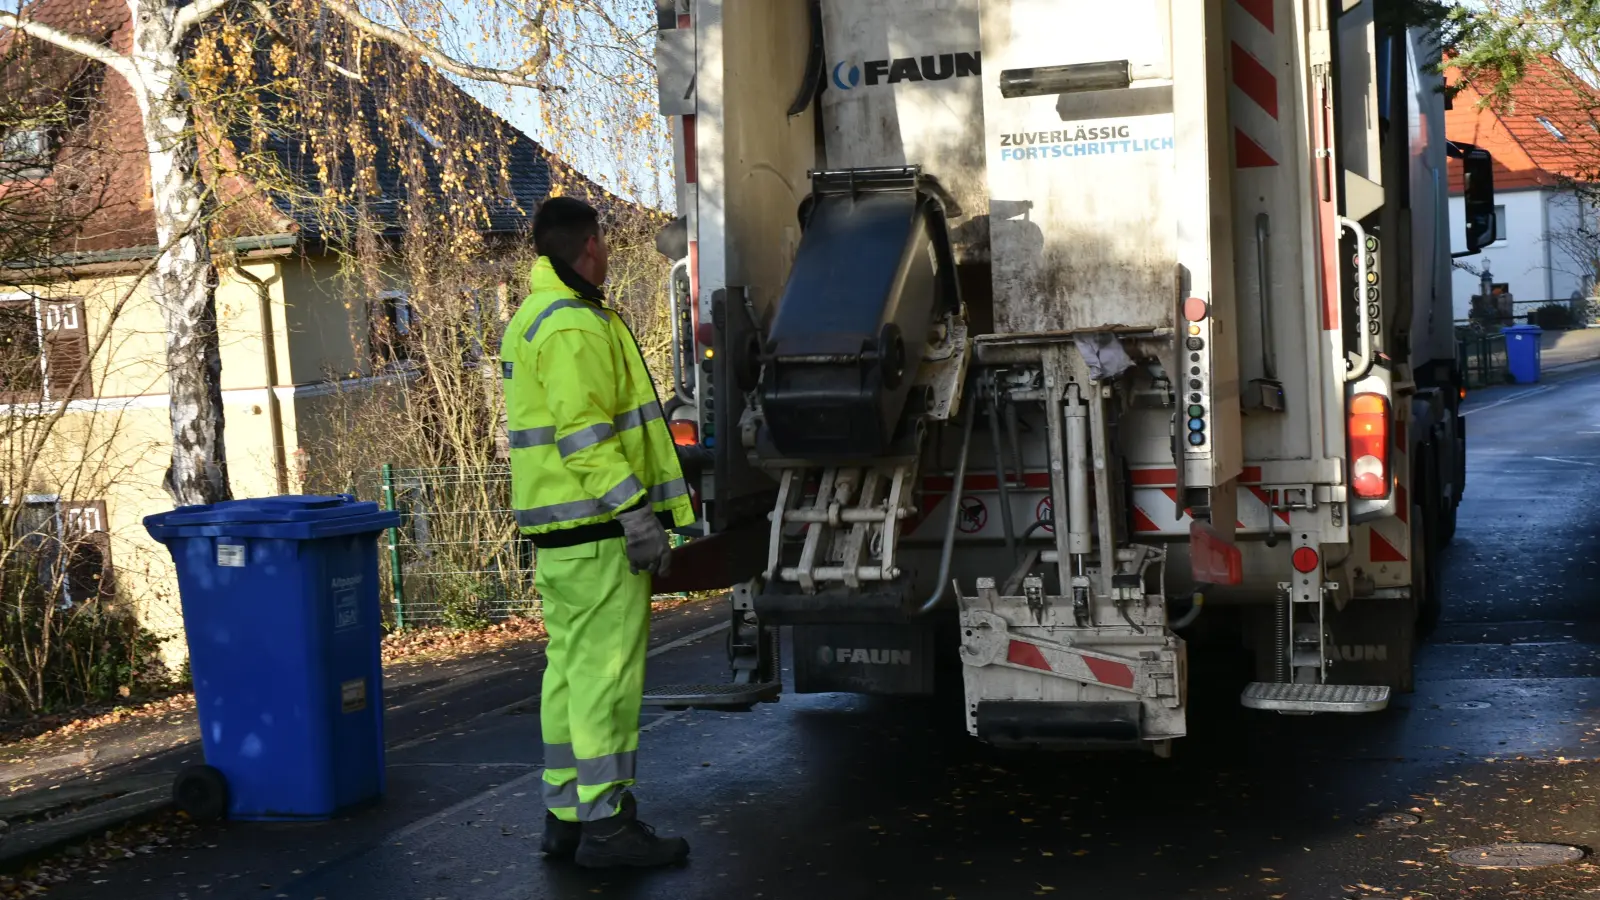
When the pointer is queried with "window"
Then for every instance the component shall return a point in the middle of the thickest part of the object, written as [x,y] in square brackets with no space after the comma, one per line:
[423,132]
[1499,223]
[391,330]
[24,152]
[1554,131]
[43,346]
[70,545]
[21,376]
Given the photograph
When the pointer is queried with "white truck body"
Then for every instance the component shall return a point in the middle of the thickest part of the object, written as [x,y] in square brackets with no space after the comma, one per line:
[1199,245]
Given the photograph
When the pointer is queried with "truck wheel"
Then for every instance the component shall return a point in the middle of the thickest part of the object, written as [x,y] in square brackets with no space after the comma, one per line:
[1424,574]
[1447,522]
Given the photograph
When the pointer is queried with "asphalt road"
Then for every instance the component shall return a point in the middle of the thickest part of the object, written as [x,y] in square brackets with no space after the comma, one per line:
[840,798]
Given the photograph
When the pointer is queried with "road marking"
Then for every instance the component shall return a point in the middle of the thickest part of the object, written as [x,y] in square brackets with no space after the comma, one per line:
[467,765]
[1510,399]
[509,787]
[533,702]
[1573,462]
[686,640]
[424,824]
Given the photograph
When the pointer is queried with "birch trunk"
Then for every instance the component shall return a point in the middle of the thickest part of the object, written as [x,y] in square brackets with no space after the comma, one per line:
[183,281]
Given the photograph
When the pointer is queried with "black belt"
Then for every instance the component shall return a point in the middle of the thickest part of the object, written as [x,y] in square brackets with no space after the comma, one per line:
[587,534]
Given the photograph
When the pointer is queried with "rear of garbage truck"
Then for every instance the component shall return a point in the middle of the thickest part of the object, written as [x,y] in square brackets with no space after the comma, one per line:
[1043,336]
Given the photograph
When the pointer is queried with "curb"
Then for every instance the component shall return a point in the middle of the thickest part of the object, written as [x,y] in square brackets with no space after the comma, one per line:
[139,798]
[145,796]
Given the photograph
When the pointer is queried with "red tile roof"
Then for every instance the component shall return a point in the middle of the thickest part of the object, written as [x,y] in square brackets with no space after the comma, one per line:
[1527,152]
[108,143]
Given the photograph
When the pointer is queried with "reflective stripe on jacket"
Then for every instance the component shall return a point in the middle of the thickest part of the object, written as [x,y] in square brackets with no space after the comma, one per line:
[587,434]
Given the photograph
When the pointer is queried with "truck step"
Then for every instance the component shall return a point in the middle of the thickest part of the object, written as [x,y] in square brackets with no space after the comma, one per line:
[724,697]
[1342,698]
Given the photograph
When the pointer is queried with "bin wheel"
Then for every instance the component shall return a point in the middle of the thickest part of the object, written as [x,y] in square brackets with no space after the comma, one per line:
[202,793]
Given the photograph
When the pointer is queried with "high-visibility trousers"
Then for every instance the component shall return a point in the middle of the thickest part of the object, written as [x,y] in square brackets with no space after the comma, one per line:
[597,616]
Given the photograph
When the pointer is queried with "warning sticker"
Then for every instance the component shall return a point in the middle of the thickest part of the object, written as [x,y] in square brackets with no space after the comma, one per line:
[973,515]
[1045,512]
[353,695]
[230,555]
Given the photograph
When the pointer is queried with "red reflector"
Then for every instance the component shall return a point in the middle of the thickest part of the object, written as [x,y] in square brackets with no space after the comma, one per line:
[706,334]
[1305,560]
[684,432]
[1194,309]
[1213,559]
[1369,446]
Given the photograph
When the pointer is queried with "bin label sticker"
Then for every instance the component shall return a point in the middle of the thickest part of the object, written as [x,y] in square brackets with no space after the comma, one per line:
[230,555]
[346,611]
[353,695]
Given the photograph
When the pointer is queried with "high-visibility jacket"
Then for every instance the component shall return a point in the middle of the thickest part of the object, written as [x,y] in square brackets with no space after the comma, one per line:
[587,433]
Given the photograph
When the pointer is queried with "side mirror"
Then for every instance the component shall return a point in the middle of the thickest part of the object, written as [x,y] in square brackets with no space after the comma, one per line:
[1478,195]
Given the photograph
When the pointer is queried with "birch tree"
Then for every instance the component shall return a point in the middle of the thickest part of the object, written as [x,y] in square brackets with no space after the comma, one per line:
[589,65]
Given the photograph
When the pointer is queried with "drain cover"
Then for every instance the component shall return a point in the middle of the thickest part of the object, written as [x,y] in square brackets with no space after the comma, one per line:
[1516,856]
[1392,820]
[1470,704]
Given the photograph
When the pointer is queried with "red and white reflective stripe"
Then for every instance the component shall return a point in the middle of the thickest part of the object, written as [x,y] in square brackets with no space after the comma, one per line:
[1155,503]
[1254,94]
[1069,664]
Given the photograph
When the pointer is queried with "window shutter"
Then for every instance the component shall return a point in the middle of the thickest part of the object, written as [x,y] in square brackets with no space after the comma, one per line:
[21,378]
[90,574]
[66,349]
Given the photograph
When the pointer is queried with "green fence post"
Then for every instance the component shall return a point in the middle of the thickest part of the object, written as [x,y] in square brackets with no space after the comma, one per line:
[394,551]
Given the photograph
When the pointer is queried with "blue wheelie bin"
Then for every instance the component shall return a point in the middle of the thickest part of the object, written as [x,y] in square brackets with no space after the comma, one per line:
[1522,352]
[280,607]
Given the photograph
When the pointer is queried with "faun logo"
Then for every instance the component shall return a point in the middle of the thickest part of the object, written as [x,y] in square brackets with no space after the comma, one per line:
[1361,652]
[847,75]
[877,656]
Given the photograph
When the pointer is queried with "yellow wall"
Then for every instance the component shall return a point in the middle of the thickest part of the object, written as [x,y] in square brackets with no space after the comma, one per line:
[116,446]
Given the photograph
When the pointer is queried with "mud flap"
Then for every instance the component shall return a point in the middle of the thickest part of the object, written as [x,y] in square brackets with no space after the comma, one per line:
[864,659]
[1370,642]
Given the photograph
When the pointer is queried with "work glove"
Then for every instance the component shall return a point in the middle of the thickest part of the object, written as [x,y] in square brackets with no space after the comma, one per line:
[648,547]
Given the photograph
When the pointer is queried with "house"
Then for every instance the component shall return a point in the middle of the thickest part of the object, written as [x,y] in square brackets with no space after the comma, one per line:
[79,331]
[1544,138]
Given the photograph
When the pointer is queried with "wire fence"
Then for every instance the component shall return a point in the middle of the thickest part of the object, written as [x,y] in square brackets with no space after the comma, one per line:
[457,558]
[1481,356]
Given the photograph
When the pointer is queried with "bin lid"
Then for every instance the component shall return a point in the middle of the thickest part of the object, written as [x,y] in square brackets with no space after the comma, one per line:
[291,515]
[1522,329]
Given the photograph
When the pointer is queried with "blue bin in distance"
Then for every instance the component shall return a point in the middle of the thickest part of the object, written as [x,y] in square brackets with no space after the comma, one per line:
[281,614]
[1522,352]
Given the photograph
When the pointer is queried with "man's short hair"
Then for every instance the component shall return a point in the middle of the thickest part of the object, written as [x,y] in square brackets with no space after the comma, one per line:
[563,226]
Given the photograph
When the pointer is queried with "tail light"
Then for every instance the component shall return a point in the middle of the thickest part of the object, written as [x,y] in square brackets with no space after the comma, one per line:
[1369,446]
[685,433]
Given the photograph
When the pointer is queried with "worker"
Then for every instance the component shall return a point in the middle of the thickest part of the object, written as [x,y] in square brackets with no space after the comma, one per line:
[595,485]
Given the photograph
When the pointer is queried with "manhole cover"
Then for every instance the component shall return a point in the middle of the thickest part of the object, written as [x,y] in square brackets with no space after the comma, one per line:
[1470,704]
[1392,820]
[1516,856]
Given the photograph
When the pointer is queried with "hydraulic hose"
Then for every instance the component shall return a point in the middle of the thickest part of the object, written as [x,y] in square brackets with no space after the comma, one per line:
[1196,601]
[1000,473]
[955,511]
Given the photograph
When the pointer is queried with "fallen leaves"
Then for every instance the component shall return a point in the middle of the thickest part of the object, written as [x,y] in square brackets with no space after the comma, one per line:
[445,643]
[96,855]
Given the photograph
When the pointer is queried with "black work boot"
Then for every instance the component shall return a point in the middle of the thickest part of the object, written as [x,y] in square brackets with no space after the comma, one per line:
[623,840]
[560,838]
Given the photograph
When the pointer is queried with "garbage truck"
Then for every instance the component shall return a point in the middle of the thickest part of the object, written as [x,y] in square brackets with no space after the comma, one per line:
[1049,341]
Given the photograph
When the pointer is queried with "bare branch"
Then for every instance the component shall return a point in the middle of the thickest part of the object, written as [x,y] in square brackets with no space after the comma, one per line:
[122,65]
[420,49]
[192,14]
